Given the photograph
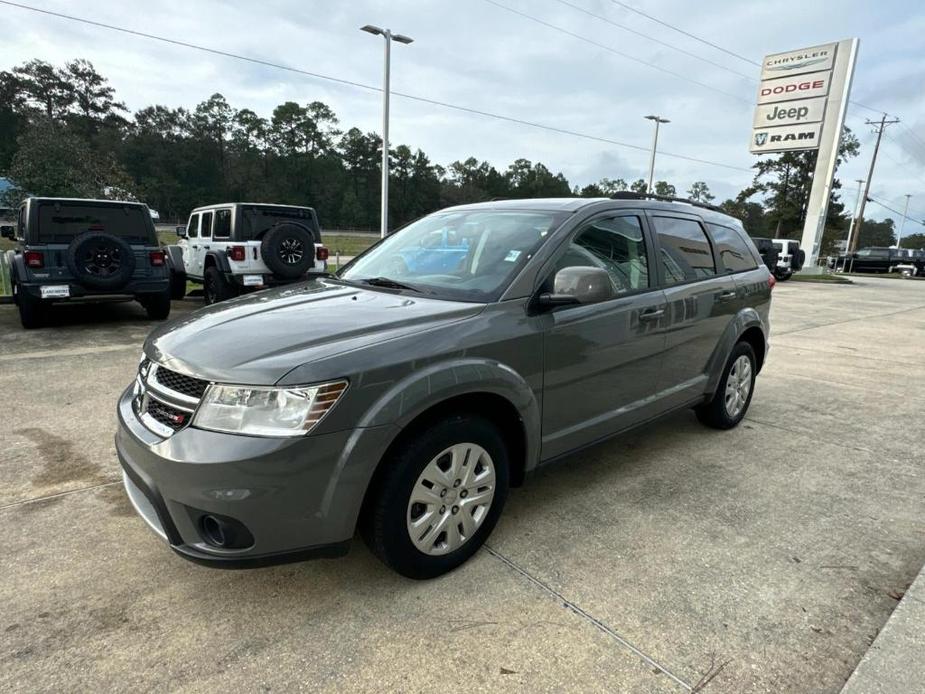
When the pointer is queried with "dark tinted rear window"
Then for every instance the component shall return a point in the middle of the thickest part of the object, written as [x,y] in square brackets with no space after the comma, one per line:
[685,253]
[61,222]
[256,219]
[732,249]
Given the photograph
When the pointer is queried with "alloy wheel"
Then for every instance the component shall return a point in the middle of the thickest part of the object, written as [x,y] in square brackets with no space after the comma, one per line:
[738,386]
[451,499]
[291,251]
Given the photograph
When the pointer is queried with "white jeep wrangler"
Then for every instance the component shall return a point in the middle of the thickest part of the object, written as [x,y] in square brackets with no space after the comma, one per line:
[241,246]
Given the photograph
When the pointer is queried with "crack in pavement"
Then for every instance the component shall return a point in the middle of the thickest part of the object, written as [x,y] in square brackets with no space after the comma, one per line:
[568,604]
[852,320]
[36,499]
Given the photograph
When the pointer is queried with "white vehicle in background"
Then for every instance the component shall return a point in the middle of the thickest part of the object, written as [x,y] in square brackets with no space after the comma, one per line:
[238,247]
[789,256]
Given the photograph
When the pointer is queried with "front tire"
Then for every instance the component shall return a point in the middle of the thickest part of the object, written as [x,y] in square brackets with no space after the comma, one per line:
[734,393]
[439,497]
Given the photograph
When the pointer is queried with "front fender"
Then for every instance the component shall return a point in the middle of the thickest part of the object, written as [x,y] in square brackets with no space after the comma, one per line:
[410,397]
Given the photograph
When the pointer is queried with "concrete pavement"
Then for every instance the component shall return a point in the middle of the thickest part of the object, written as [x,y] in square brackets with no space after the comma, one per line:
[767,557]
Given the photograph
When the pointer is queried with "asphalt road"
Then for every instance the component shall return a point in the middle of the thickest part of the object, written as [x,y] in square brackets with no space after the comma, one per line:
[767,556]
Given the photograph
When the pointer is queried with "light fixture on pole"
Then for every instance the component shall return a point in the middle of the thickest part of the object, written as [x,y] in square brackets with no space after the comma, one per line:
[389,37]
[658,121]
[902,224]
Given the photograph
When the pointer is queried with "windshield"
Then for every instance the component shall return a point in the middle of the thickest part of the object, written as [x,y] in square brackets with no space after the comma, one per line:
[61,222]
[874,252]
[462,256]
[258,218]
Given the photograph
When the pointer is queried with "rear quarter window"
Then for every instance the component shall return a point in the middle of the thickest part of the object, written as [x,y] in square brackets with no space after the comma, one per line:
[734,252]
[62,222]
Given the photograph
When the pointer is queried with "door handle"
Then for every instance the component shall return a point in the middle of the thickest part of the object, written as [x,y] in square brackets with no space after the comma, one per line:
[727,296]
[194,246]
[651,314]
[206,247]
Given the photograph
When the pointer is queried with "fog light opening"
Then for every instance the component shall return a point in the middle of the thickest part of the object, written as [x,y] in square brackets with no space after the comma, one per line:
[214,531]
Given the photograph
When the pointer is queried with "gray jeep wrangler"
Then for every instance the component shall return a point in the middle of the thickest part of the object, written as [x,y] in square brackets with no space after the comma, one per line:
[85,250]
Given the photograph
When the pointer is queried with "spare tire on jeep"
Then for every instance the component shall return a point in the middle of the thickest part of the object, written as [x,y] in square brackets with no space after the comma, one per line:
[288,250]
[100,261]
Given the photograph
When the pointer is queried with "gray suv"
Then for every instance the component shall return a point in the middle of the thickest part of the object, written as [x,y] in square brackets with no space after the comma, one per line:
[406,394]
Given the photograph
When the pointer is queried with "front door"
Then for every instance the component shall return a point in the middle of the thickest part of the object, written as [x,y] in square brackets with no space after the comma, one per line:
[602,360]
[200,245]
[701,302]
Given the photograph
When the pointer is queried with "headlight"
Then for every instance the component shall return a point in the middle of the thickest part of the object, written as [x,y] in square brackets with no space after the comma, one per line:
[266,411]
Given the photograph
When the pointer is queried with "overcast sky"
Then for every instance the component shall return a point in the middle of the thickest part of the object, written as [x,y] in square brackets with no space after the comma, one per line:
[476,54]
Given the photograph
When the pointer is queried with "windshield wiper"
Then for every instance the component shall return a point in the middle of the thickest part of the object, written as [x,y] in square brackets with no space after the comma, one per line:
[388,283]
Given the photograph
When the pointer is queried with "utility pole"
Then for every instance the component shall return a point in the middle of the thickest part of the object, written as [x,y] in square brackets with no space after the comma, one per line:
[870,175]
[658,121]
[854,219]
[389,37]
[902,224]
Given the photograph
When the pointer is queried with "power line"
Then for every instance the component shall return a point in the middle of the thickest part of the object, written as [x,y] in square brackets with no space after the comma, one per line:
[615,51]
[655,40]
[887,207]
[368,87]
[686,33]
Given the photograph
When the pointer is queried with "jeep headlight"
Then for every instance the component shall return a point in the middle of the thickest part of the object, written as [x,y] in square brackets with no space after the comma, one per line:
[266,411]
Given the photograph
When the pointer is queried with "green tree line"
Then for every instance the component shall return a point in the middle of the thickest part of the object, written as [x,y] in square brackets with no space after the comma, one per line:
[65,133]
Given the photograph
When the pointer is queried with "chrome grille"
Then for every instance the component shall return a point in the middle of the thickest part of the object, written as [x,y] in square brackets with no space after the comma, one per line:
[165,400]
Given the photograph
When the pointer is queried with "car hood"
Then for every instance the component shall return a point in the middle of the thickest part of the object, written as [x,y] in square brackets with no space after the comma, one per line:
[259,338]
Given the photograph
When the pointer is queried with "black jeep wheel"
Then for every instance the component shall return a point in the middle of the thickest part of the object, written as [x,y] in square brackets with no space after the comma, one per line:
[215,287]
[101,261]
[288,250]
[157,305]
[30,309]
[177,285]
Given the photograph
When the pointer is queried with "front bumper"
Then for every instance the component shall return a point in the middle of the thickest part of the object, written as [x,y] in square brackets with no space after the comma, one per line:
[298,497]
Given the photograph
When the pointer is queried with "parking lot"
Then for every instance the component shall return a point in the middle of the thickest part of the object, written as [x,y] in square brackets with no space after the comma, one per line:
[767,557]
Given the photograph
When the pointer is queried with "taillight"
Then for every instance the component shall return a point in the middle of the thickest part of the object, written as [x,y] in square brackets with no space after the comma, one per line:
[772,281]
[322,253]
[34,259]
[158,258]
[237,253]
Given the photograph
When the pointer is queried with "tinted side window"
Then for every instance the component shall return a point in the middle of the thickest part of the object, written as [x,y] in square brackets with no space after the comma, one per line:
[192,229]
[205,228]
[615,244]
[733,252]
[222,227]
[686,253]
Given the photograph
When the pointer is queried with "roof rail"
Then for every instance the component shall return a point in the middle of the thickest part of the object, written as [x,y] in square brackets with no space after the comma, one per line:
[632,195]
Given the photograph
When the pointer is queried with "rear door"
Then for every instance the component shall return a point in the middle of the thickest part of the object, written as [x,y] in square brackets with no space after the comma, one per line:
[602,360]
[701,301]
[187,245]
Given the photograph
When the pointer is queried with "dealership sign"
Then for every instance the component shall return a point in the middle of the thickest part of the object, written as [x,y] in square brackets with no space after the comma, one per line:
[806,111]
[800,105]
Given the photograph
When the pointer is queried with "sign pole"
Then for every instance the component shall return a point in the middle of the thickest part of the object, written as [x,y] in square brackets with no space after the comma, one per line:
[829,143]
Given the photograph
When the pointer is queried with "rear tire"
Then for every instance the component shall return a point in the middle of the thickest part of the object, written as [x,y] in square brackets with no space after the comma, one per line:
[157,306]
[734,393]
[424,531]
[215,287]
[177,285]
[30,309]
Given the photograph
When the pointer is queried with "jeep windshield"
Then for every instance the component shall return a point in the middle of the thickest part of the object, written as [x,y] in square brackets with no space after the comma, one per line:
[256,219]
[460,256]
[60,222]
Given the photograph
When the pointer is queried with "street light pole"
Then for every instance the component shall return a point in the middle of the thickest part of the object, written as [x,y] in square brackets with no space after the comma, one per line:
[658,121]
[389,37]
[902,224]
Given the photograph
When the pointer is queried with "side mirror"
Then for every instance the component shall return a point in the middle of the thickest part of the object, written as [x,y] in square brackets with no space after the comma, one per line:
[579,285]
[181,232]
[7,232]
